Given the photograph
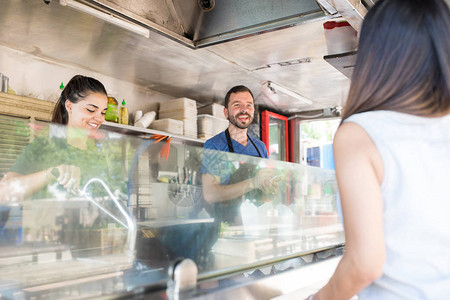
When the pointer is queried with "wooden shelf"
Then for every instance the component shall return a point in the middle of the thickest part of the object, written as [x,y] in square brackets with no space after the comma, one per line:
[132,130]
[22,106]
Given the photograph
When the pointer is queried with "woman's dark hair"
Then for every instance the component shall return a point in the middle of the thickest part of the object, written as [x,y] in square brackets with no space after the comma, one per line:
[237,89]
[403,59]
[78,88]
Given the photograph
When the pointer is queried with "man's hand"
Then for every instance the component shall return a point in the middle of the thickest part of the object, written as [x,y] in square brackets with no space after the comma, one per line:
[267,181]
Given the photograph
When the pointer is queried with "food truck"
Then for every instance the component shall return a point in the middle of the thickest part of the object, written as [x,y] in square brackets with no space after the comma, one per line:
[139,226]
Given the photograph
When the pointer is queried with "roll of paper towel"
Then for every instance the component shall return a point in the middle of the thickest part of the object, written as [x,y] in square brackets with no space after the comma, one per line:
[146,120]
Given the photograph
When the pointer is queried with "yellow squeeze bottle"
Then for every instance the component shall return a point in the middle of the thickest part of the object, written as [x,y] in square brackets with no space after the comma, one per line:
[123,113]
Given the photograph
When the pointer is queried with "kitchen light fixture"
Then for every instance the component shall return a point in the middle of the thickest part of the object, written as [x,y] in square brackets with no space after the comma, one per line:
[275,88]
[106,17]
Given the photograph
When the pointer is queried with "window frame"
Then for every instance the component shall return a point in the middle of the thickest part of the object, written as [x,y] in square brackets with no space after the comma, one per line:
[33,111]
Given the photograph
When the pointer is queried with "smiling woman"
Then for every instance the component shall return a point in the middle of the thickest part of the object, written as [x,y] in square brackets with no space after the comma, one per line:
[89,113]
[82,107]
[82,103]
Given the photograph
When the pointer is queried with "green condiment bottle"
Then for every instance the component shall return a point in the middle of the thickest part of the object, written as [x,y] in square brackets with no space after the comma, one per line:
[123,113]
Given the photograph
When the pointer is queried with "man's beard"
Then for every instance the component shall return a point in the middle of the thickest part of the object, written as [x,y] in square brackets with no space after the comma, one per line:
[233,120]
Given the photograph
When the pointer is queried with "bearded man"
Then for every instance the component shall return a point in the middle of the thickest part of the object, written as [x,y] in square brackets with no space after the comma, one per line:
[239,110]
[228,180]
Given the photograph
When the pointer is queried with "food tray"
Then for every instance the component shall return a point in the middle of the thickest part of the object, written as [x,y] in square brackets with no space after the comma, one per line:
[210,125]
[168,125]
[178,103]
[213,109]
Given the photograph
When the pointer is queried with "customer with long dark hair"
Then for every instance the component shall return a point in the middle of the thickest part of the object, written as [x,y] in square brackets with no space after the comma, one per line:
[392,154]
[82,107]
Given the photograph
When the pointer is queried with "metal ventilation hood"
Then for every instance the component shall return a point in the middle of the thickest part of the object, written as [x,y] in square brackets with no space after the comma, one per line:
[177,48]
[353,11]
[200,23]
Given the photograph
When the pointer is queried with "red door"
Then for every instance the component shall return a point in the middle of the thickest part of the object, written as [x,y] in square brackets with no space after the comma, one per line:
[274,133]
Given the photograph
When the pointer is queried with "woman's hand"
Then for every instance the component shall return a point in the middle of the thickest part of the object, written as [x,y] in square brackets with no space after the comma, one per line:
[67,176]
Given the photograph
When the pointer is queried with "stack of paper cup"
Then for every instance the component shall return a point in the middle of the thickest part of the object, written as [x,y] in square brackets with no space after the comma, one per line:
[145,120]
[137,116]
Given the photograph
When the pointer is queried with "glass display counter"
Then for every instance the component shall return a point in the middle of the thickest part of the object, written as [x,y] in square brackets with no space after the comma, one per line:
[131,209]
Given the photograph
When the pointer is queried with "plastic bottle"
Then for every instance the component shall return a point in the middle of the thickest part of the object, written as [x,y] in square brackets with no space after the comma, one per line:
[123,113]
[112,112]
[4,83]
[57,94]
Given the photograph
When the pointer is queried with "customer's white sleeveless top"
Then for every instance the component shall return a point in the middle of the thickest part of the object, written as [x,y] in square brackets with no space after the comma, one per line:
[416,204]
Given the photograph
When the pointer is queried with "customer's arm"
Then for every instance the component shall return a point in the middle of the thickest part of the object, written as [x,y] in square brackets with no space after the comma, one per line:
[359,173]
